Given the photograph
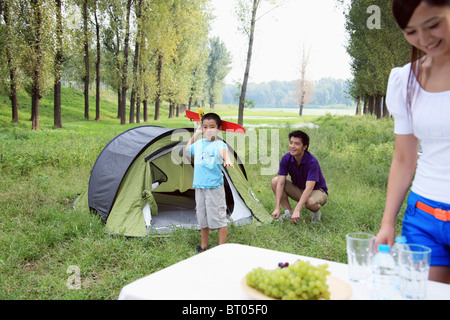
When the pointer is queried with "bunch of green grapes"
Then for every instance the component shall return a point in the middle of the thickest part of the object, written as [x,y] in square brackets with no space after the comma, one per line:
[298,281]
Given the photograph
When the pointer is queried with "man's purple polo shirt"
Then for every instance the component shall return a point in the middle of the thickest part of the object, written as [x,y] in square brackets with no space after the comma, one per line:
[308,170]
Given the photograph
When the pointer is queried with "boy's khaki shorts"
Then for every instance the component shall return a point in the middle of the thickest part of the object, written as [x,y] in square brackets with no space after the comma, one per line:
[295,193]
[211,208]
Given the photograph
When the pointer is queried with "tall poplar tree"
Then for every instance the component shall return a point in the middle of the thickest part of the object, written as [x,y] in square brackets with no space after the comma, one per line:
[57,121]
[218,68]
[86,41]
[9,45]
[376,45]
[37,17]
[247,15]
[123,102]
[134,105]
[98,62]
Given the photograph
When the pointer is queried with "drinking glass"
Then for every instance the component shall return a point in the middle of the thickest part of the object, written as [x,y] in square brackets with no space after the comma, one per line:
[360,249]
[414,266]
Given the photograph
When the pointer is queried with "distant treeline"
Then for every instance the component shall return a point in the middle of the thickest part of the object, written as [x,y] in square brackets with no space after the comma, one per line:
[328,91]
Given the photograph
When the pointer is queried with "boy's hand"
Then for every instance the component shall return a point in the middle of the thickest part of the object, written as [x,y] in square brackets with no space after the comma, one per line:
[199,128]
[228,164]
[226,159]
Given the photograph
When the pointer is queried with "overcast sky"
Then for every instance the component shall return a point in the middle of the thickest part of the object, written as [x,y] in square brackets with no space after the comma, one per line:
[280,35]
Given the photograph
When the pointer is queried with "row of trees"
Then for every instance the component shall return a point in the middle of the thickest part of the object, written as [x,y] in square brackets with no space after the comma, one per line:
[155,50]
[145,50]
[376,45]
[326,91]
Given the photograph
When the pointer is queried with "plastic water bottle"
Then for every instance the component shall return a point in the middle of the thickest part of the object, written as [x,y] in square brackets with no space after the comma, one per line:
[384,276]
[400,243]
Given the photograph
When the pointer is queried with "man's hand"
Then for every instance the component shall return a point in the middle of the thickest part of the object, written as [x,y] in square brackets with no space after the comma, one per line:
[276,213]
[295,216]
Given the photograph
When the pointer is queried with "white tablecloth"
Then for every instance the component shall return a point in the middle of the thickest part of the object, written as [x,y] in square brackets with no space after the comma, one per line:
[216,274]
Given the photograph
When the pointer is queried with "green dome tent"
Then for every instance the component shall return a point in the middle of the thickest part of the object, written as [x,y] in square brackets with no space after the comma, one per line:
[141,183]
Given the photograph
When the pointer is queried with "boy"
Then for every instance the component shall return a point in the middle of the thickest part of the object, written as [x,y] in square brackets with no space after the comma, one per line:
[209,154]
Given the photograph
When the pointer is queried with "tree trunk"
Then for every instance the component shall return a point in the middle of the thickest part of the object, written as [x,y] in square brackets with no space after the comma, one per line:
[97,67]
[13,98]
[58,67]
[365,108]
[171,109]
[57,104]
[386,113]
[138,108]
[35,87]
[35,104]
[135,63]
[125,64]
[304,91]
[371,104]
[119,77]
[378,105]
[141,96]
[144,102]
[145,106]
[358,105]
[86,59]
[158,86]
[11,65]
[247,67]
[191,96]
[119,99]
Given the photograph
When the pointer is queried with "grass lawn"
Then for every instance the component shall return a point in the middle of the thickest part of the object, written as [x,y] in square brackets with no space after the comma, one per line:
[42,172]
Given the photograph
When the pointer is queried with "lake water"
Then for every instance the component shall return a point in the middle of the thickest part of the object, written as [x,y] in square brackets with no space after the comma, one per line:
[307,125]
[312,112]
[294,112]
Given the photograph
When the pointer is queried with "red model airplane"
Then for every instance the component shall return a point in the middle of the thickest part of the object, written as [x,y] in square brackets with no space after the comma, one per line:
[226,126]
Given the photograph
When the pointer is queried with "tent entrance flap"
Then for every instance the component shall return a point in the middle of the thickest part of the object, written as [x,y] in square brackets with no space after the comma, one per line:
[175,210]
[174,195]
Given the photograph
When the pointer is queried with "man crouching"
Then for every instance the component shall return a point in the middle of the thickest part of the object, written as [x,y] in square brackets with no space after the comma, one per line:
[307,185]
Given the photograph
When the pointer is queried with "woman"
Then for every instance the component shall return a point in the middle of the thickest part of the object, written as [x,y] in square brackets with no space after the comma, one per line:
[418,97]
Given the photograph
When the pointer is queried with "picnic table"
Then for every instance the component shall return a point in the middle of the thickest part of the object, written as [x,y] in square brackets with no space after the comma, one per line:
[217,273]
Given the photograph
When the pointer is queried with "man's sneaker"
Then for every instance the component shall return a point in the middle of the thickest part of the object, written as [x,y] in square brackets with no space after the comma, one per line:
[316,216]
[286,216]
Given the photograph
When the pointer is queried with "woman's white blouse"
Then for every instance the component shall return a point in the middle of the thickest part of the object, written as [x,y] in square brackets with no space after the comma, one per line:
[429,121]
